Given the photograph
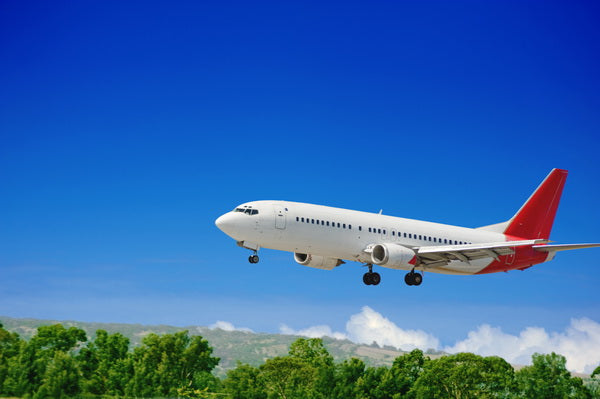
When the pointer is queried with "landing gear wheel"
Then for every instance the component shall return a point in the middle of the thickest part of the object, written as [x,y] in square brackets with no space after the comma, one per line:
[375,278]
[371,278]
[253,258]
[417,279]
[413,278]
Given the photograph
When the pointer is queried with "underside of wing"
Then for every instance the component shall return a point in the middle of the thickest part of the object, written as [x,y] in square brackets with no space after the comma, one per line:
[439,256]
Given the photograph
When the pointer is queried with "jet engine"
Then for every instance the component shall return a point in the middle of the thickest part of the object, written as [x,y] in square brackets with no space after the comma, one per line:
[393,256]
[316,261]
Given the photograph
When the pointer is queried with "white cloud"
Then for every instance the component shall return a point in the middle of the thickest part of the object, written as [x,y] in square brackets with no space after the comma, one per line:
[370,326]
[227,326]
[367,327]
[579,343]
[313,332]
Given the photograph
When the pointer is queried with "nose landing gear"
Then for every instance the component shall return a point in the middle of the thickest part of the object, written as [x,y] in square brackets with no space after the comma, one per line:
[253,258]
[370,277]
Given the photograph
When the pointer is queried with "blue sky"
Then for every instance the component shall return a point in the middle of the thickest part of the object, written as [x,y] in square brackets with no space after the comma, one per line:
[127,128]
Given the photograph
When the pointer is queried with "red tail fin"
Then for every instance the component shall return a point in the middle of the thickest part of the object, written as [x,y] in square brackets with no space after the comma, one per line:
[536,216]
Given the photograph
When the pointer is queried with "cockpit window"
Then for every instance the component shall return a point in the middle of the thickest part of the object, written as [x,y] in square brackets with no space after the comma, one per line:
[247,210]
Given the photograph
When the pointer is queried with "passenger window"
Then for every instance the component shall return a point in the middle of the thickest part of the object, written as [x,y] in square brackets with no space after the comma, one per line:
[338,225]
[359,228]
[313,221]
[349,227]
[297,219]
[327,223]
[409,235]
[393,233]
[344,225]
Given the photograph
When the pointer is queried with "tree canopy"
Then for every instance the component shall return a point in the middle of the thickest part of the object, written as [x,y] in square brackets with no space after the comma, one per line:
[59,362]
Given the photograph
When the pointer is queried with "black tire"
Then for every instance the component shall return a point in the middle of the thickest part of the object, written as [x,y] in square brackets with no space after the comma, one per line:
[375,278]
[254,258]
[408,278]
[367,278]
[417,278]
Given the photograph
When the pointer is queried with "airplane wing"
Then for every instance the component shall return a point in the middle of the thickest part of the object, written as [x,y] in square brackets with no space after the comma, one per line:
[562,247]
[438,256]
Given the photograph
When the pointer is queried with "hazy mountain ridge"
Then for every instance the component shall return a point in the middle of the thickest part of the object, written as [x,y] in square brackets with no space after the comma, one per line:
[231,346]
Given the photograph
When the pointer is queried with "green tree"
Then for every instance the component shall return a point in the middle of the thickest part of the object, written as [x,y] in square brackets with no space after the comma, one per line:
[548,377]
[347,374]
[10,347]
[465,375]
[162,364]
[313,352]
[34,357]
[368,385]
[105,364]
[288,377]
[596,372]
[406,369]
[244,382]
[61,378]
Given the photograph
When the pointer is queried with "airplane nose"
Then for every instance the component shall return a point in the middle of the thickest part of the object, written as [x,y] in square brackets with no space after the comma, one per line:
[225,223]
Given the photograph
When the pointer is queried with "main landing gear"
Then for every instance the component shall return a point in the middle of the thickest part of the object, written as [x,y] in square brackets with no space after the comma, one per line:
[413,278]
[370,277]
[253,258]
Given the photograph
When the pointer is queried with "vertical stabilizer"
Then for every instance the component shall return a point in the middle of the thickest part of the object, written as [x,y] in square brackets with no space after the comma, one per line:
[536,216]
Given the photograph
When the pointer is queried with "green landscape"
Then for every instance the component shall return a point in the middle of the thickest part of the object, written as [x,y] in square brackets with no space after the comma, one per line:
[47,359]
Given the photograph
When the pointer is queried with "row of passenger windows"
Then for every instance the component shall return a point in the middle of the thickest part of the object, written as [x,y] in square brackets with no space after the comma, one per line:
[382,231]
[324,223]
[418,237]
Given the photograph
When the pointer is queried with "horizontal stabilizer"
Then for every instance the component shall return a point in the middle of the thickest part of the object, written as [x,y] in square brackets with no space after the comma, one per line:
[563,247]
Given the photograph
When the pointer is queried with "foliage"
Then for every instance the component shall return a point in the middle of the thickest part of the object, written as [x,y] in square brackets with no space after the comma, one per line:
[548,377]
[59,362]
[465,375]
[164,363]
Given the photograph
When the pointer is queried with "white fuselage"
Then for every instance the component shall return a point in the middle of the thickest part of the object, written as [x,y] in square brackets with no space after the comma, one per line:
[344,234]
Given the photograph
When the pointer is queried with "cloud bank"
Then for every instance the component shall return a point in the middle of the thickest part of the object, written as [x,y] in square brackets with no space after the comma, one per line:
[579,343]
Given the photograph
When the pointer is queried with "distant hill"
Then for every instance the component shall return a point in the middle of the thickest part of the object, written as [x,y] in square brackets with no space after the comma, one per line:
[230,346]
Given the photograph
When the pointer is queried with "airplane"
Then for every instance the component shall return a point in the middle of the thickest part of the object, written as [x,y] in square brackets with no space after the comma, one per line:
[324,237]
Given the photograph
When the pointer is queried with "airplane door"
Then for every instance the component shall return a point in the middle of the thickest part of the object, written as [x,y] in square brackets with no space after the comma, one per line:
[279,217]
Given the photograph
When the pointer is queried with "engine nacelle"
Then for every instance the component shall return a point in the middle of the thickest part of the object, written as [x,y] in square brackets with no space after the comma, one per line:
[393,256]
[316,261]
